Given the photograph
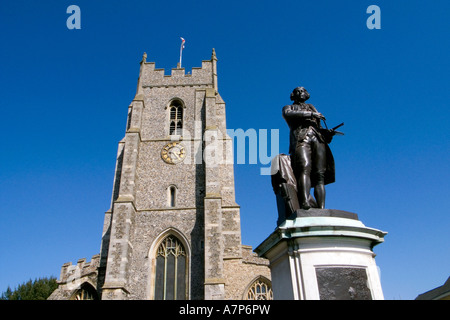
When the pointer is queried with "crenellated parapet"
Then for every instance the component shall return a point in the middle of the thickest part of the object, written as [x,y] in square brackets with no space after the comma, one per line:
[75,278]
[70,272]
[205,76]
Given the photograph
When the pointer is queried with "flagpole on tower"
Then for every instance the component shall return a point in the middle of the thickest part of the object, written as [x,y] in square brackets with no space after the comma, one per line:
[181,51]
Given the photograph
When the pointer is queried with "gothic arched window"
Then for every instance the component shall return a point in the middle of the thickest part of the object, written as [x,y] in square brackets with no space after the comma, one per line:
[260,289]
[171,270]
[176,118]
[86,292]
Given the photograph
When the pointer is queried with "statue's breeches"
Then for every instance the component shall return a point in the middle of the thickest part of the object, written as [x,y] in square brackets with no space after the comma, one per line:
[309,161]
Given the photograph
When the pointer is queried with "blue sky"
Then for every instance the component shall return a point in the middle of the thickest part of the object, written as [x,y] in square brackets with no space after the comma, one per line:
[65,94]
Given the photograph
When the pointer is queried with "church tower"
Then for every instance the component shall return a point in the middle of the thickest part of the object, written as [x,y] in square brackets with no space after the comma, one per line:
[173,228]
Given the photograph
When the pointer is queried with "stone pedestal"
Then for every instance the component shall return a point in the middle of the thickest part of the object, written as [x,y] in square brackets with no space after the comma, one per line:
[323,254]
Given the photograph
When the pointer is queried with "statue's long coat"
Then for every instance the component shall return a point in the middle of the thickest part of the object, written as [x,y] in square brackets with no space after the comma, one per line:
[297,117]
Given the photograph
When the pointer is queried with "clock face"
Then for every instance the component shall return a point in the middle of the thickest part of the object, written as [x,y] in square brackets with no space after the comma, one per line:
[173,153]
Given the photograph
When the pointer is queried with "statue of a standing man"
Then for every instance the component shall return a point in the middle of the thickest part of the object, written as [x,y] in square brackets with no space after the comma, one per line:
[311,159]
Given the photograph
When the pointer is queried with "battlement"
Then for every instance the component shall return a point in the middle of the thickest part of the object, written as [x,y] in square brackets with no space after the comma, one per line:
[251,257]
[70,272]
[206,75]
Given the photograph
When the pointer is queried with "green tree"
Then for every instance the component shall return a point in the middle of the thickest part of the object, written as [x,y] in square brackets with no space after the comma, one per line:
[39,289]
[7,294]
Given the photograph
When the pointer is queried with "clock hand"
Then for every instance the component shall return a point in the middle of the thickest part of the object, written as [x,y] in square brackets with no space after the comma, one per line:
[177,155]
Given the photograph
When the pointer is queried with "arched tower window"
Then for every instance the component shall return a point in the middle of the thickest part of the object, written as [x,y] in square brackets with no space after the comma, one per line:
[171,270]
[176,117]
[260,289]
[172,196]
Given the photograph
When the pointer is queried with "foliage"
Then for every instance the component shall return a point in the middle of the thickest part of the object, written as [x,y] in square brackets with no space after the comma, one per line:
[39,289]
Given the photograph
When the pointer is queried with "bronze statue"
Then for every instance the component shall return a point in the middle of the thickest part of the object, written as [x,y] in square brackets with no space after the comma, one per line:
[311,159]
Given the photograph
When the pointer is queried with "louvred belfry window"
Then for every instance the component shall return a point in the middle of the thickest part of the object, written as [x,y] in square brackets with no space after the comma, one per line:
[176,118]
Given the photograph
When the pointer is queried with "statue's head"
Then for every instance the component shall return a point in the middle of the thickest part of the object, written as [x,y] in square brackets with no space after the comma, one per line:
[299,94]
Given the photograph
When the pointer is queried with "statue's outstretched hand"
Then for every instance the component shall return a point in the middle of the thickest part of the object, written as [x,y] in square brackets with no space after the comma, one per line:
[318,115]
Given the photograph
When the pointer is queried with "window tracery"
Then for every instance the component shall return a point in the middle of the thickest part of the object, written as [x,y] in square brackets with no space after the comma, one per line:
[171,270]
[260,289]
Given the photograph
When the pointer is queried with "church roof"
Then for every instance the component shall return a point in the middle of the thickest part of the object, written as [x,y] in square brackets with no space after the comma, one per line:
[437,293]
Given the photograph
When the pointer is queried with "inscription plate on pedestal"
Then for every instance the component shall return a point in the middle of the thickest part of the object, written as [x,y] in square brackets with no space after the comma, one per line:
[343,283]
